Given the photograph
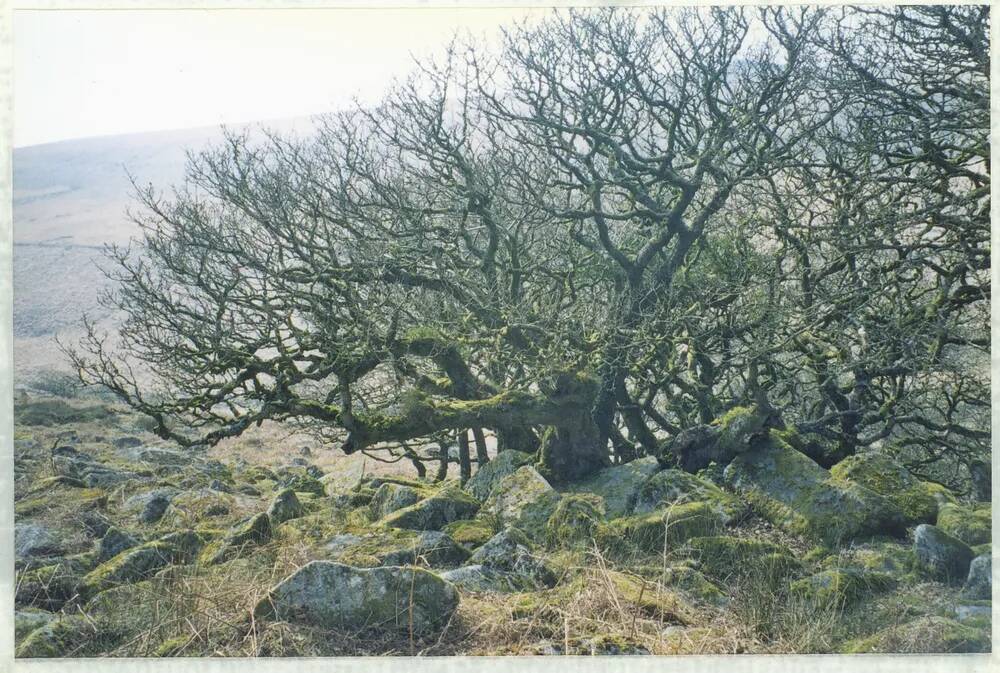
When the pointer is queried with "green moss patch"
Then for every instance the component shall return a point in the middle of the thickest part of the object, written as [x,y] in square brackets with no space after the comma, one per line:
[660,530]
[916,499]
[970,524]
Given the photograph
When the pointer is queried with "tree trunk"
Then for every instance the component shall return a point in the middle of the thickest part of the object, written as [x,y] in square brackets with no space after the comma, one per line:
[573,448]
[465,465]
[482,456]
[442,471]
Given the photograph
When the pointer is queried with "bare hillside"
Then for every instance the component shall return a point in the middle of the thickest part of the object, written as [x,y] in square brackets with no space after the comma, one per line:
[70,200]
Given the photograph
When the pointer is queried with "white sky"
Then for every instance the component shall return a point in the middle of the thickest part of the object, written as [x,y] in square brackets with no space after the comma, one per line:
[88,73]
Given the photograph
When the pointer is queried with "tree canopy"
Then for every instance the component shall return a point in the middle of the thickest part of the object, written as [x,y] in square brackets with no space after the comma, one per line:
[614,228]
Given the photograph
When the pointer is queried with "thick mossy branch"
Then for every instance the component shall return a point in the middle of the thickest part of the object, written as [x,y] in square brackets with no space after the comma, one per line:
[424,415]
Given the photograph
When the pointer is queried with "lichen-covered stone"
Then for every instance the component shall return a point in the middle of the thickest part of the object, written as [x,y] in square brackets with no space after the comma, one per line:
[130,566]
[390,497]
[51,586]
[285,506]
[195,508]
[397,547]
[619,485]
[61,637]
[29,619]
[150,505]
[523,499]
[891,558]
[574,520]
[924,635]
[509,551]
[661,530]
[33,540]
[114,542]
[794,493]
[435,512]
[942,556]
[481,484]
[470,533]
[916,499]
[254,531]
[336,596]
[723,557]
[841,587]
[670,487]
[979,583]
[970,524]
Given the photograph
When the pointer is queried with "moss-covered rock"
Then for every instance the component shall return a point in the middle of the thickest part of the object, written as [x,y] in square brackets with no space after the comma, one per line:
[662,530]
[433,513]
[29,619]
[302,483]
[619,485]
[481,484]
[390,497]
[916,499]
[50,586]
[794,493]
[841,587]
[397,547]
[891,558]
[336,596]
[197,508]
[129,566]
[523,499]
[574,520]
[631,592]
[722,557]
[285,506]
[970,524]
[470,533]
[509,551]
[670,487]
[142,562]
[924,635]
[979,582]
[942,556]
[62,637]
[254,531]
[114,542]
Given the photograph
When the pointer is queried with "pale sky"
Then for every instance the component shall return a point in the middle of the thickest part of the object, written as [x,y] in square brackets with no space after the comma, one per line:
[87,73]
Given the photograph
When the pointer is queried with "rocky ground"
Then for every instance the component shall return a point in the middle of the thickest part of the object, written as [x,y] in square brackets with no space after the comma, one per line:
[129,546]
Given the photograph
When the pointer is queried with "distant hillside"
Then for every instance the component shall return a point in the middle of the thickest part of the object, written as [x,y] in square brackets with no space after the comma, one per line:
[70,199]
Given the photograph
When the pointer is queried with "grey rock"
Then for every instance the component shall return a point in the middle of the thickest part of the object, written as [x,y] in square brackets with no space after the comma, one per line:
[489,475]
[979,583]
[435,512]
[432,548]
[33,540]
[966,612]
[285,506]
[114,542]
[619,485]
[332,595]
[154,508]
[946,558]
[798,495]
[126,442]
[523,499]
[508,551]
[389,497]
[221,486]
[254,531]
[342,542]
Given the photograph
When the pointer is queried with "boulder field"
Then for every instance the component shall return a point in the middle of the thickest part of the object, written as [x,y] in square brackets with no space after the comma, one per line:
[131,547]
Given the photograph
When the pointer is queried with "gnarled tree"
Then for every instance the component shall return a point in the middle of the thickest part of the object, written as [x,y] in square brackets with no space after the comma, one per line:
[610,230]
